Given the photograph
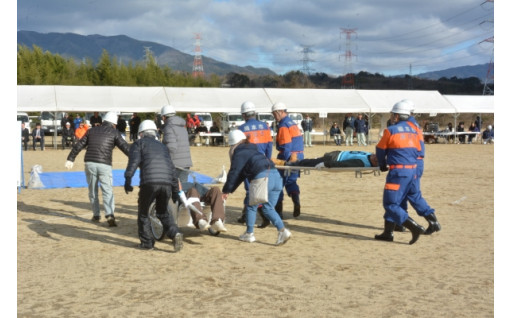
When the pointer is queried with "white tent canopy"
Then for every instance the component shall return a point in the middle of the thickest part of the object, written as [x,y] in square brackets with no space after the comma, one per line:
[32,98]
[381,101]
[483,104]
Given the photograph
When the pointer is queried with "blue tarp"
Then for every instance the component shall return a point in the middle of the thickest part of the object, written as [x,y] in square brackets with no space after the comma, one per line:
[76,179]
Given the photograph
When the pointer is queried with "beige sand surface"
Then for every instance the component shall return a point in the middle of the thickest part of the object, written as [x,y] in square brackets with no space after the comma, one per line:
[331,267]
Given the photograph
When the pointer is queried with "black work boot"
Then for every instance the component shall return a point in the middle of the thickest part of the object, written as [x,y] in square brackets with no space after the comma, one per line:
[279,209]
[399,228]
[242,218]
[265,222]
[415,229]
[296,205]
[433,224]
[387,235]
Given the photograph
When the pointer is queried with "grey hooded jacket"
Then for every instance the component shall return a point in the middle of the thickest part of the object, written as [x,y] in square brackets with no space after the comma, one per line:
[175,137]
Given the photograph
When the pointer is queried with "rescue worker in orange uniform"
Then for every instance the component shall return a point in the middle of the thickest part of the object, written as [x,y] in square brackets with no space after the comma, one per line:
[398,151]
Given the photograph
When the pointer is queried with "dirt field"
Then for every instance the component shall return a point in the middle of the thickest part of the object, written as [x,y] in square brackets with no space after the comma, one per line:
[331,267]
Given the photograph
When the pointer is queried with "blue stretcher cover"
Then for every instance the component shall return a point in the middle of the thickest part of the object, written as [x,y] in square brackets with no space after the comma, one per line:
[76,179]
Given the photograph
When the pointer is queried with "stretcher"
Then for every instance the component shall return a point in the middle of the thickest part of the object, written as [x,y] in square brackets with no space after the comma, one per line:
[359,171]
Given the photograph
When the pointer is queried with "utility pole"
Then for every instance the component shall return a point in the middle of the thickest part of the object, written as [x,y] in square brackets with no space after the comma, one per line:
[348,79]
[197,68]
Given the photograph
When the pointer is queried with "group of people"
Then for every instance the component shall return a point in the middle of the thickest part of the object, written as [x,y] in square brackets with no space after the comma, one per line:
[37,136]
[351,126]
[400,151]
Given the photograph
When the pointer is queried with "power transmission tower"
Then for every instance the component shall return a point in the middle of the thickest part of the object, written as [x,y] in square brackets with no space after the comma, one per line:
[197,68]
[348,79]
[409,82]
[490,68]
[490,71]
[306,70]
[148,55]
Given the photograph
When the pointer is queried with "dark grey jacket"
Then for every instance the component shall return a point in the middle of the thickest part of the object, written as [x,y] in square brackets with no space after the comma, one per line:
[154,162]
[100,142]
[175,137]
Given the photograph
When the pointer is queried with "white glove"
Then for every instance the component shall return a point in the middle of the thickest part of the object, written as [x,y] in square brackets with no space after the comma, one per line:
[69,164]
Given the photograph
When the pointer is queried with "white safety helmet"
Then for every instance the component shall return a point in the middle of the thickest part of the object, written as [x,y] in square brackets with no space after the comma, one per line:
[111,117]
[167,110]
[402,108]
[248,107]
[278,106]
[411,104]
[147,125]
[489,127]
[235,137]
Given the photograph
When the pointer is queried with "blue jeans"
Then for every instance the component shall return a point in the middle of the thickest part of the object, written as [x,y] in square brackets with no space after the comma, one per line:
[275,186]
[100,173]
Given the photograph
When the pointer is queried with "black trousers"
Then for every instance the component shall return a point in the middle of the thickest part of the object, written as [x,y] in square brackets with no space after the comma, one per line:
[161,193]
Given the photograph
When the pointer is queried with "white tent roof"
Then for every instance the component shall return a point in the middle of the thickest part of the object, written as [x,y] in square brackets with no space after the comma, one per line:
[319,100]
[33,98]
[472,104]
[381,101]
[216,100]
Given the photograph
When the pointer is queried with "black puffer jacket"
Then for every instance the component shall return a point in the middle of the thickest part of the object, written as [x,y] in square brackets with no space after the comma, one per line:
[154,162]
[100,141]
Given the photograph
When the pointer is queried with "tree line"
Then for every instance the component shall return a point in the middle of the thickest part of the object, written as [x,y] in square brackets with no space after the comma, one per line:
[38,67]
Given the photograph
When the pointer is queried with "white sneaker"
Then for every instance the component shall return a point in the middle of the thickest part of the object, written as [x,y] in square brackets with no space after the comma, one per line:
[203,225]
[218,226]
[283,236]
[247,237]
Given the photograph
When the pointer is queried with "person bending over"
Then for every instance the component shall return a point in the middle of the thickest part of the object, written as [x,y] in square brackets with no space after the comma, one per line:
[158,182]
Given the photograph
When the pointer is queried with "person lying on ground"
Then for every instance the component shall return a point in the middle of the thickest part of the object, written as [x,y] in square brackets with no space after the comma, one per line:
[335,159]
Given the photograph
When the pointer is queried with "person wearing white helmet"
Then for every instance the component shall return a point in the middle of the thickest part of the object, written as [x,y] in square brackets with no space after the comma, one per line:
[258,133]
[397,152]
[175,137]
[100,142]
[290,147]
[419,203]
[247,162]
[158,182]
[488,135]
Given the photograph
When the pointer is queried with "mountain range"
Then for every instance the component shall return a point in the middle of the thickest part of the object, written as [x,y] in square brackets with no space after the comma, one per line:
[126,50]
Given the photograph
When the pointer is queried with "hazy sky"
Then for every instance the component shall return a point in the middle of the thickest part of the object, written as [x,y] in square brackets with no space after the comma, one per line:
[386,36]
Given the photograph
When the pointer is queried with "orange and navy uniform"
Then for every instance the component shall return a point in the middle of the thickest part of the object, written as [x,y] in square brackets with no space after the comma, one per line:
[290,145]
[258,132]
[399,148]
[420,204]
[414,124]
[289,140]
[399,145]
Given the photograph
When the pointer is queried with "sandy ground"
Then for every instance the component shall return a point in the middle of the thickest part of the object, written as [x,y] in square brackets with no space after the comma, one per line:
[331,267]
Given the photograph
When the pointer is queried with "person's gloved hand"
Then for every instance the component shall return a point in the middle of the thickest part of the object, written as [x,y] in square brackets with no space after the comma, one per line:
[128,185]
[69,164]
[175,196]
[384,168]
